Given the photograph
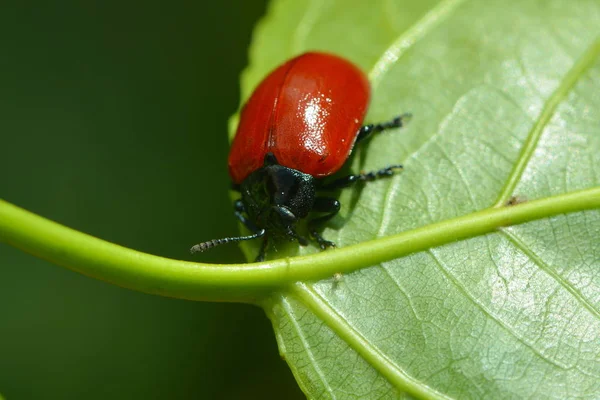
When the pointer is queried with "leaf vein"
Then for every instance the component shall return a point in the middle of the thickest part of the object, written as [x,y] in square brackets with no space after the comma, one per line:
[490,314]
[550,272]
[409,37]
[413,309]
[395,375]
[307,21]
[570,79]
[304,342]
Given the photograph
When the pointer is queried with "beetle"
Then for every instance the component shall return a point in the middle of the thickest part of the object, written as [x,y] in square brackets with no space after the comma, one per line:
[299,127]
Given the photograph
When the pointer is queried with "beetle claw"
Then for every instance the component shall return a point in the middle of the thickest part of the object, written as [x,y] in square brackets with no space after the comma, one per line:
[326,244]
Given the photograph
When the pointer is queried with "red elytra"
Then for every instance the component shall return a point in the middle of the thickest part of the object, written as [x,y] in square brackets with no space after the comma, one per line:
[306,112]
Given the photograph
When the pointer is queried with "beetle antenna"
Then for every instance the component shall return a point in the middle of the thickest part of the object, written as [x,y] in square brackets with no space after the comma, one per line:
[200,247]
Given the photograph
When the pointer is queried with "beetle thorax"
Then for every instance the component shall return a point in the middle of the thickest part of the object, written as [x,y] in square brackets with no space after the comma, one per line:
[276,197]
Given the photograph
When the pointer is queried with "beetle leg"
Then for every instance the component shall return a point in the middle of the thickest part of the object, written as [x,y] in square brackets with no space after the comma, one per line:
[239,209]
[362,177]
[263,250]
[294,235]
[256,232]
[239,206]
[326,205]
[368,130]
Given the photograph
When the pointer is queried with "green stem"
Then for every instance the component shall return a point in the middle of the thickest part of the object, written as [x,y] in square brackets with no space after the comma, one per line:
[251,282]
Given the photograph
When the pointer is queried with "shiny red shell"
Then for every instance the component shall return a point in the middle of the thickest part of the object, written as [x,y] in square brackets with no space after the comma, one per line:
[307,112]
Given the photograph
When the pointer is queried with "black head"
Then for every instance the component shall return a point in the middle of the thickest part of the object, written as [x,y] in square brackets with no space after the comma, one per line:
[276,197]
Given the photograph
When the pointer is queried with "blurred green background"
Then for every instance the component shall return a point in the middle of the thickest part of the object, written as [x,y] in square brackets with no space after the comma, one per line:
[113,121]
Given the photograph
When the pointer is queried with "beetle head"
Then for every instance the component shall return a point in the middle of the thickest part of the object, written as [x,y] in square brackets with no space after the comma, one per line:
[276,197]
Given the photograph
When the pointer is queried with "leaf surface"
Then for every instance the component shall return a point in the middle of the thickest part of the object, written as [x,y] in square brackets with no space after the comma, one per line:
[505,97]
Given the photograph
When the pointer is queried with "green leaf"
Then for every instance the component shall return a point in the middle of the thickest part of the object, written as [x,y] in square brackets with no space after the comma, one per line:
[443,285]
[506,103]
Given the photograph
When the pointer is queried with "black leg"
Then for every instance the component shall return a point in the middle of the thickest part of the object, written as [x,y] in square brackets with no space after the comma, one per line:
[362,177]
[256,232]
[263,250]
[294,235]
[368,130]
[325,205]
[239,209]
[239,206]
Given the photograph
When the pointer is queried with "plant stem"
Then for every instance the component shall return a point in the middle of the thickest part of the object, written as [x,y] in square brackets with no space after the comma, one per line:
[252,282]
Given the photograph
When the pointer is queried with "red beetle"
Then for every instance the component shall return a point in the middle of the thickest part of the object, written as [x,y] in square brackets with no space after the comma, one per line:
[298,127]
